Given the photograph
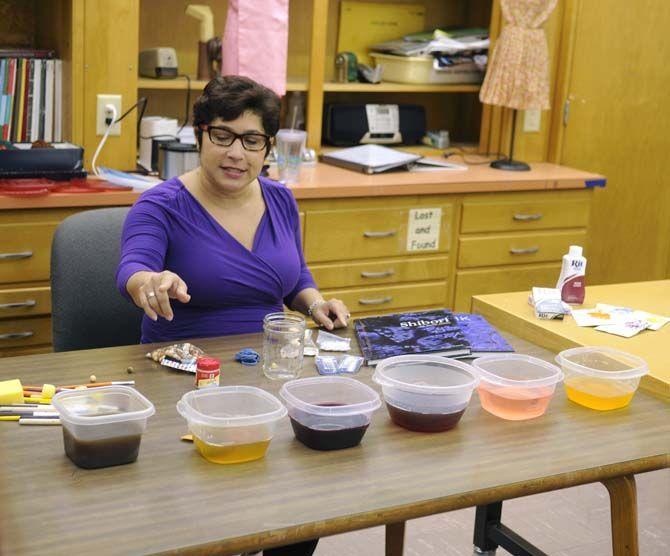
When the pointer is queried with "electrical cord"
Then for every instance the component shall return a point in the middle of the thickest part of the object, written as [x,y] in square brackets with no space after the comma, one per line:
[490,157]
[109,122]
[188,100]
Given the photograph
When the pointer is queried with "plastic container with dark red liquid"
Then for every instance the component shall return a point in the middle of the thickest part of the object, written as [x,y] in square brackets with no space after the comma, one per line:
[425,393]
[329,412]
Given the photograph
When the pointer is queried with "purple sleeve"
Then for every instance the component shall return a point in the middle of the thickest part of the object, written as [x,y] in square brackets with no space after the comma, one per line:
[305,280]
[143,243]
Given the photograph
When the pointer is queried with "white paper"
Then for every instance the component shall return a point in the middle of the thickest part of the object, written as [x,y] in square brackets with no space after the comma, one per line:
[423,229]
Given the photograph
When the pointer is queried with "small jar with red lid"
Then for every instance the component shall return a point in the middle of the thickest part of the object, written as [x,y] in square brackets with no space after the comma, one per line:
[207,372]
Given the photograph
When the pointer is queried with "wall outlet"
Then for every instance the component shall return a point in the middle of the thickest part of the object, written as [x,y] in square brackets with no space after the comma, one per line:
[532,120]
[101,114]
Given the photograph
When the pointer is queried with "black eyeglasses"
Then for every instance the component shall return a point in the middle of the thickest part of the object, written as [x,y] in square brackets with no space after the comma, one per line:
[224,137]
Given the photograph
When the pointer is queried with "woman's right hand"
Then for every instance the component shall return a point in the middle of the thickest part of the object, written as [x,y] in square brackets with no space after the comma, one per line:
[151,291]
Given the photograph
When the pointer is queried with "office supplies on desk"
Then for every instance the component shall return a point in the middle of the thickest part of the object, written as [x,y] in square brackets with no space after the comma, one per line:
[353,124]
[158,62]
[55,160]
[175,158]
[153,130]
[374,159]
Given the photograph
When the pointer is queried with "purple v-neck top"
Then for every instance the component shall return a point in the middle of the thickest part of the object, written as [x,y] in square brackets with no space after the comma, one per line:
[231,288]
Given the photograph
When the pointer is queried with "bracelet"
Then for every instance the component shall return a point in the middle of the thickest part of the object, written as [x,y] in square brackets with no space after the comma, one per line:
[314,304]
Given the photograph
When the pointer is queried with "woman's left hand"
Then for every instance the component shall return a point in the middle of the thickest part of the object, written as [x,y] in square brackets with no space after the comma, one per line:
[331,314]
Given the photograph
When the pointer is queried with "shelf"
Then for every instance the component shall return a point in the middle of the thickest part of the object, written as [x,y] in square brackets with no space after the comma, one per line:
[179,84]
[400,88]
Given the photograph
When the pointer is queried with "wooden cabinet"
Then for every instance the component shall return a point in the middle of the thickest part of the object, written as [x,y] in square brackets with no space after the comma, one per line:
[512,242]
[358,251]
[25,294]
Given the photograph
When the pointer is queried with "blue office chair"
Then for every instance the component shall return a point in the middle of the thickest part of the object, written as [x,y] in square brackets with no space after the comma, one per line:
[87,311]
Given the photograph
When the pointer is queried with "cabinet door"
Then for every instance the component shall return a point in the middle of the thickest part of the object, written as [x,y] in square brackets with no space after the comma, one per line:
[517,248]
[379,271]
[499,280]
[384,298]
[25,332]
[25,302]
[368,233]
[25,251]
[525,213]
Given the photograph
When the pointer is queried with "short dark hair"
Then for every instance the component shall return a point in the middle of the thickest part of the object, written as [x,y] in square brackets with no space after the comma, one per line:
[229,96]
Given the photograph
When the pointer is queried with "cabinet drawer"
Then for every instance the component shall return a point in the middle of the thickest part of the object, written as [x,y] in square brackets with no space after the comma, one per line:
[369,300]
[366,233]
[525,213]
[25,332]
[511,279]
[337,275]
[25,302]
[25,251]
[517,248]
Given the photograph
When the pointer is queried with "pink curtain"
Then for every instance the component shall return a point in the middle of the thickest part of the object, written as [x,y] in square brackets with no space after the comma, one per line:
[255,42]
[518,71]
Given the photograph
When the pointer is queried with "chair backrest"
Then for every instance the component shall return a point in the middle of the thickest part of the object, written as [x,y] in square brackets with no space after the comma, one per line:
[87,310]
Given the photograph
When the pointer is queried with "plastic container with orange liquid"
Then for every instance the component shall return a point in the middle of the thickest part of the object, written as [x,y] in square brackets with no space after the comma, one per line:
[601,378]
[514,386]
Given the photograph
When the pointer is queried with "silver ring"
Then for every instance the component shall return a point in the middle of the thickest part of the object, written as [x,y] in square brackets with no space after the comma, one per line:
[348,315]
[151,294]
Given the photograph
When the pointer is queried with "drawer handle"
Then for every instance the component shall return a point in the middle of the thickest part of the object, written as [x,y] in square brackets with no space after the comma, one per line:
[390,233]
[19,304]
[379,301]
[16,335]
[15,256]
[527,217]
[382,274]
[526,251]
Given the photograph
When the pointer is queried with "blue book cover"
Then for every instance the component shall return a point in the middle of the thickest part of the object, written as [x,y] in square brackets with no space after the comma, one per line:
[483,338]
[435,332]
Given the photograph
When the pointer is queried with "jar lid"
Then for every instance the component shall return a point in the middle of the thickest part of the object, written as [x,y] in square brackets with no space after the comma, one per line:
[208,363]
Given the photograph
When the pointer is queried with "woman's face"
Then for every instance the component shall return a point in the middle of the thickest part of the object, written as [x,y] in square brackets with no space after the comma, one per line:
[233,167]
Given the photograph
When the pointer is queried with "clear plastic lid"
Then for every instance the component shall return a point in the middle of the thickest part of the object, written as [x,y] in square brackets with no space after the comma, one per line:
[602,362]
[102,405]
[230,406]
[514,369]
[425,374]
[330,396]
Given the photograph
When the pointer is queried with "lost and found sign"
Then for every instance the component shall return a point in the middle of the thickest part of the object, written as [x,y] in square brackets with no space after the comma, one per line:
[423,229]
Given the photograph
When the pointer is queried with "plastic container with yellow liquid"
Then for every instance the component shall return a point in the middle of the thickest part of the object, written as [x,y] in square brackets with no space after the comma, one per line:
[231,424]
[601,378]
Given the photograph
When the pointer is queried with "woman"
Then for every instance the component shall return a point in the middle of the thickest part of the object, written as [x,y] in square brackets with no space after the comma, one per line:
[213,251]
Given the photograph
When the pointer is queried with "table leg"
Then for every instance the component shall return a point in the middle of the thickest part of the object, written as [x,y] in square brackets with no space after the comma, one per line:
[623,505]
[395,538]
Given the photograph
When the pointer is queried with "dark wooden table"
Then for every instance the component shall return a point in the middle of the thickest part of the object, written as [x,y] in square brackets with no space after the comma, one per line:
[172,501]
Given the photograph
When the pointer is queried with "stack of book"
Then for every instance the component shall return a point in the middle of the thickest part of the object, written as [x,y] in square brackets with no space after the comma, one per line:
[438,332]
[31,96]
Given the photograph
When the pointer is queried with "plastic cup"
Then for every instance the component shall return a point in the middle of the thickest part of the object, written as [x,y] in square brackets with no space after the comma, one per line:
[283,345]
[290,145]
[601,378]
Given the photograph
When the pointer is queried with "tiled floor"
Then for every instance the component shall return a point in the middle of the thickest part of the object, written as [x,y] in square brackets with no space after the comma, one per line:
[571,522]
